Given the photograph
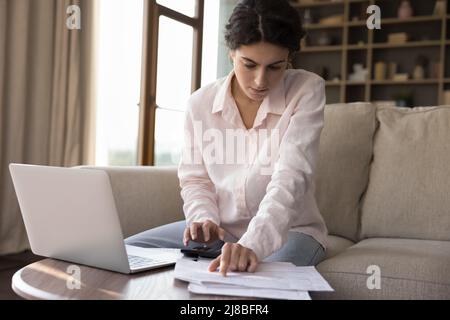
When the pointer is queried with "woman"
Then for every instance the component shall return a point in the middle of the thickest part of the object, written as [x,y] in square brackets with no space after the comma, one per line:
[251,210]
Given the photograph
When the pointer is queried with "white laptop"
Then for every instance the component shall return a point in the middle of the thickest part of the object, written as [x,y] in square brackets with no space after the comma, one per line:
[70,214]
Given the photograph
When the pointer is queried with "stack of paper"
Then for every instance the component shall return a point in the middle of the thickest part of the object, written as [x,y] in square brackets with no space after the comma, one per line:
[273,280]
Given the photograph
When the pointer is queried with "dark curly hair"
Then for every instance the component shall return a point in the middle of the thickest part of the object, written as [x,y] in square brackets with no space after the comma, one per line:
[273,21]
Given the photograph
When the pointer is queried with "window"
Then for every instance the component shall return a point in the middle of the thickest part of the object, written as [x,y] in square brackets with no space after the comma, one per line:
[181,47]
[186,7]
[118,81]
[141,122]
[169,131]
[211,33]
[174,70]
[173,88]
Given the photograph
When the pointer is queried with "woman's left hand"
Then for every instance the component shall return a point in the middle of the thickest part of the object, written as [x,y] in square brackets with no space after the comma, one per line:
[234,257]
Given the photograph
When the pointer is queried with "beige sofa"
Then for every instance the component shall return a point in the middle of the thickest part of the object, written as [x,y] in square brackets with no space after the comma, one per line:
[383,187]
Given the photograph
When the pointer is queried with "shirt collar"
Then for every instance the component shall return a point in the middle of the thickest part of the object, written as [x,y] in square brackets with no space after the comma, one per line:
[274,102]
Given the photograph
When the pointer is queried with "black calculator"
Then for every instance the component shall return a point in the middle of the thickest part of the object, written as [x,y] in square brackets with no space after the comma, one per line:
[202,251]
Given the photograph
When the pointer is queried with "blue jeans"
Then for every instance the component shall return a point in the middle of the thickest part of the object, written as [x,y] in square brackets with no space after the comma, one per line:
[300,249]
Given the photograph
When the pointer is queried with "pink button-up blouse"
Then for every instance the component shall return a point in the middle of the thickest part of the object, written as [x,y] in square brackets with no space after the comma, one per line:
[257,183]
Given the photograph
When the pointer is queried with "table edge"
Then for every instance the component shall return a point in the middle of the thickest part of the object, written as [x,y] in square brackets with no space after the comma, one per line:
[24,290]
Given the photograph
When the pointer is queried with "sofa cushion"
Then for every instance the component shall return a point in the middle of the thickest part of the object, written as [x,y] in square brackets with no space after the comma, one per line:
[345,153]
[409,269]
[336,245]
[409,186]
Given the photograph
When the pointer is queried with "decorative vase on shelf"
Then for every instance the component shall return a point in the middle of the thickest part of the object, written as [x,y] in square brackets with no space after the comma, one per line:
[307,18]
[324,39]
[439,8]
[436,69]
[421,66]
[359,73]
[392,70]
[380,70]
[419,72]
[405,10]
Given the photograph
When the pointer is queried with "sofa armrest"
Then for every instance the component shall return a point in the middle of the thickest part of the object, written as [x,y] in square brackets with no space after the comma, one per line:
[145,196]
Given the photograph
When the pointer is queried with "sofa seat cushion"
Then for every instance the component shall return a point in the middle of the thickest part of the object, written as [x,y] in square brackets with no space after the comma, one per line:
[409,269]
[336,245]
[408,191]
[343,165]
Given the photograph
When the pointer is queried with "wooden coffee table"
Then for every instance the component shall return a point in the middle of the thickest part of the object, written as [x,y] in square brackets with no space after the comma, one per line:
[47,279]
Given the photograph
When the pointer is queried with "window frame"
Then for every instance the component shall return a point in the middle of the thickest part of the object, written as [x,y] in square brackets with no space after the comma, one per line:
[147,104]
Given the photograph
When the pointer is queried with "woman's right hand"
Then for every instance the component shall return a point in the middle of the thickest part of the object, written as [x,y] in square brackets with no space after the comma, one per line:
[204,232]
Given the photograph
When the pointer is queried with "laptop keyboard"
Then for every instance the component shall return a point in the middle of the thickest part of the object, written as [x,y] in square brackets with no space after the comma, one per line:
[137,262]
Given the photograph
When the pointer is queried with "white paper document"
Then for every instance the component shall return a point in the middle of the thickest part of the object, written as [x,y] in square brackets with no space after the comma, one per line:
[283,278]
[231,290]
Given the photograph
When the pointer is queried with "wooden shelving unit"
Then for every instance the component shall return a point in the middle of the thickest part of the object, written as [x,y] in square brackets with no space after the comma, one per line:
[351,42]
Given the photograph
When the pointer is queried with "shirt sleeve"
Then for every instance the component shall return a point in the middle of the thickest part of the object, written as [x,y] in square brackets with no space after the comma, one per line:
[292,176]
[197,190]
